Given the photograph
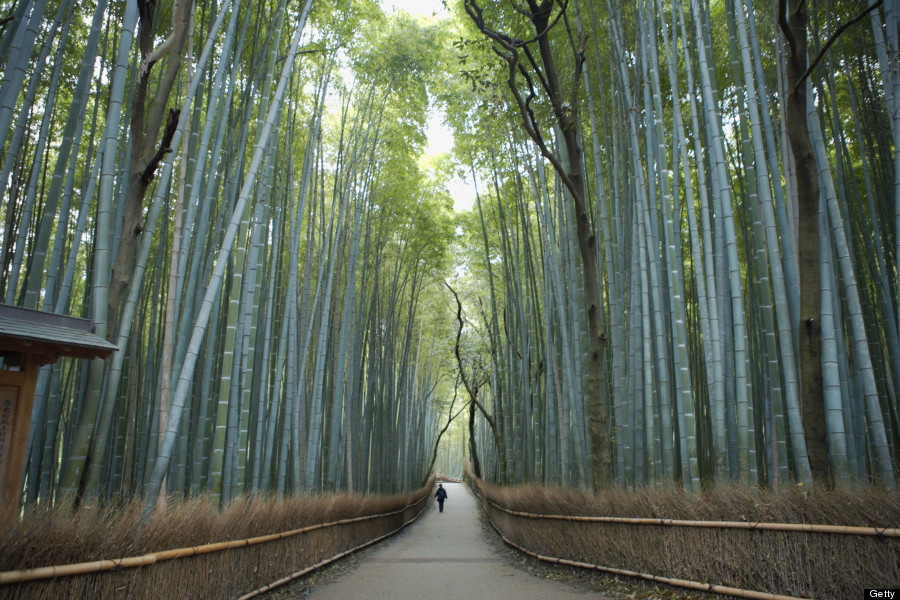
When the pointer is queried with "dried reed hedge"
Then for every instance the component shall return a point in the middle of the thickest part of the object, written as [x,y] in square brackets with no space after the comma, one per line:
[52,537]
[802,564]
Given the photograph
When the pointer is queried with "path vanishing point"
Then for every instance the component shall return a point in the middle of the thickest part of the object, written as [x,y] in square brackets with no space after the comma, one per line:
[443,555]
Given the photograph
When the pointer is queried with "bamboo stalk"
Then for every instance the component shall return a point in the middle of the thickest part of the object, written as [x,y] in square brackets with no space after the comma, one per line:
[892,532]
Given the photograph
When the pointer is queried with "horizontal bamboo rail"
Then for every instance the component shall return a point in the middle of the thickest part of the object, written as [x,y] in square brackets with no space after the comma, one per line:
[753,525]
[24,575]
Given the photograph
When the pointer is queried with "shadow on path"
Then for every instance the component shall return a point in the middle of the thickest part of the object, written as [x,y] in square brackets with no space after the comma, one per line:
[443,554]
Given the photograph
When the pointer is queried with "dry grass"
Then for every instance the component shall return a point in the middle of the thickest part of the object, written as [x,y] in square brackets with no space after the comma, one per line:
[47,537]
[801,564]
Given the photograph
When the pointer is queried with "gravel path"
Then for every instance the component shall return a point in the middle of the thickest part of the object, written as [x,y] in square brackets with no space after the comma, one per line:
[443,554]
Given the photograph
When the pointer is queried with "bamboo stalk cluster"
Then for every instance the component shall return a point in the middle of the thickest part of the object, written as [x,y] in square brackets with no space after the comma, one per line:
[693,202]
[262,271]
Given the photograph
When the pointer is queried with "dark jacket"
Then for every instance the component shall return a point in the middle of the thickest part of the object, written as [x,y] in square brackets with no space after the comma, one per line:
[441,494]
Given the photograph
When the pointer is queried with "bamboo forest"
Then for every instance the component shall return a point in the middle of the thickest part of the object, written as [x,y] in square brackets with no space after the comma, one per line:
[661,248]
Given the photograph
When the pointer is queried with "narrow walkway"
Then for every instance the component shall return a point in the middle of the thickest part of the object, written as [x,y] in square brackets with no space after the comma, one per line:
[443,555]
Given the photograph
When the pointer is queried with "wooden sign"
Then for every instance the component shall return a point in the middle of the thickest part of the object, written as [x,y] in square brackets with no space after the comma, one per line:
[9,399]
[16,398]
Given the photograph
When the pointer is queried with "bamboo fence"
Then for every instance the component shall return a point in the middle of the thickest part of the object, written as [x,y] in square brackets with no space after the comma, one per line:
[760,560]
[216,570]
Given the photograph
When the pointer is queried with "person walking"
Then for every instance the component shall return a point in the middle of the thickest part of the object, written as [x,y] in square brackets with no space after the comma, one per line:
[441,495]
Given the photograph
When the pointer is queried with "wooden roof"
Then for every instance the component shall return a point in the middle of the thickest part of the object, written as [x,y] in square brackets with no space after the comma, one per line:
[48,335]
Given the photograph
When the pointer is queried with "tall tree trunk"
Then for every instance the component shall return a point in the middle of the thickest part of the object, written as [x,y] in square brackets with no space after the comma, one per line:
[569,168]
[146,153]
[473,447]
[793,18]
